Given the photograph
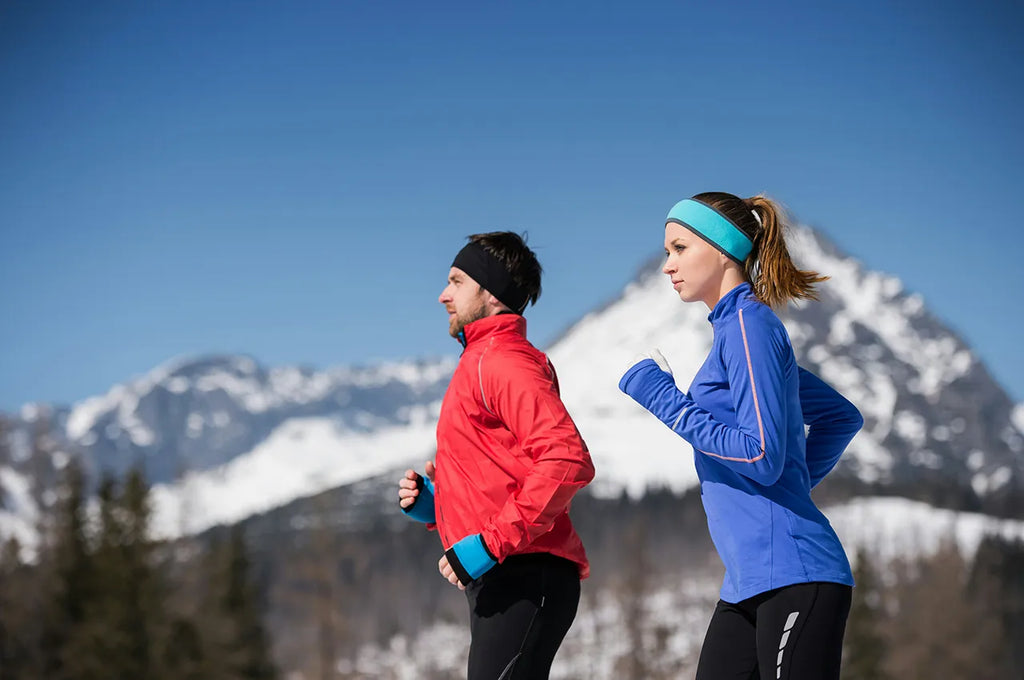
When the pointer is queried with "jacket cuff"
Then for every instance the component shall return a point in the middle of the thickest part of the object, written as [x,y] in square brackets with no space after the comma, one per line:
[470,559]
[422,509]
[637,385]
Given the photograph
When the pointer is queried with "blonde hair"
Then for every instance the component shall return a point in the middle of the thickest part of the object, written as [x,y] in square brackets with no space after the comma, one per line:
[774,277]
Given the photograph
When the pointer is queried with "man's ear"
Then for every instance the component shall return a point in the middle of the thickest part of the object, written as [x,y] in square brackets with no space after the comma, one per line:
[495,305]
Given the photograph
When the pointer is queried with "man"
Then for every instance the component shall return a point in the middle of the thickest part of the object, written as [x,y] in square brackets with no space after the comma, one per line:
[509,460]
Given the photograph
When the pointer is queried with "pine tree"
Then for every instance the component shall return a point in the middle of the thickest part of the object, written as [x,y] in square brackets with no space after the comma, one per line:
[997,580]
[864,647]
[633,590]
[939,629]
[183,656]
[239,639]
[68,578]
[128,610]
[314,586]
[113,634]
[18,621]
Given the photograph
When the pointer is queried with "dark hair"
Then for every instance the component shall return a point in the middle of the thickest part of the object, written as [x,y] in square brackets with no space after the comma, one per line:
[769,268]
[510,249]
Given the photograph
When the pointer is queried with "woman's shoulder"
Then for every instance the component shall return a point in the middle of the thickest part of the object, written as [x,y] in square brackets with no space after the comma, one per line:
[756,324]
[752,312]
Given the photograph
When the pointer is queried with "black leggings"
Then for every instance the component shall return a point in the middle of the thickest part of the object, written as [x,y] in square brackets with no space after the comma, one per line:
[519,611]
[793,633]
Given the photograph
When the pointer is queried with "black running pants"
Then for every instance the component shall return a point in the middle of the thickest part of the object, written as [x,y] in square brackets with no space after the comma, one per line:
[519,613]
[792,633]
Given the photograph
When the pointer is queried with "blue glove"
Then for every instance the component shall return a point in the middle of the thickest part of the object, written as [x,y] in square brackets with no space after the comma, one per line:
[422,509]
[470,559]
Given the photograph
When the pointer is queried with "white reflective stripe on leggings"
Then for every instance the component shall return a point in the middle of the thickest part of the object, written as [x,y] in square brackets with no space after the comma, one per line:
[790,622]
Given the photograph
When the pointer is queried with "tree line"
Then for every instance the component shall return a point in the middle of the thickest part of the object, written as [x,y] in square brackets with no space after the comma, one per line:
[302,588]
[101,600]
[939,615]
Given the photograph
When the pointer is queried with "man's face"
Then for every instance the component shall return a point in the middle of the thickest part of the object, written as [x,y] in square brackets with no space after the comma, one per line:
[464,299]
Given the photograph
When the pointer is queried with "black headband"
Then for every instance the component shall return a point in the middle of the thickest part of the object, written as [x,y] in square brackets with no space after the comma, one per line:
[491,274]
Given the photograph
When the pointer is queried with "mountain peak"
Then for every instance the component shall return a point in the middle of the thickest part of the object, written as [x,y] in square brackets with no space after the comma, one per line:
[936,424]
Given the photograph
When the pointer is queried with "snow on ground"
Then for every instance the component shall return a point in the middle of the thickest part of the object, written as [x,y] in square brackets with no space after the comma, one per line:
[896,527]
[19,518]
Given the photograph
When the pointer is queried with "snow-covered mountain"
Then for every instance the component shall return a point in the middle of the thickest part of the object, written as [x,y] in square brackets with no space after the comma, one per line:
[223,437]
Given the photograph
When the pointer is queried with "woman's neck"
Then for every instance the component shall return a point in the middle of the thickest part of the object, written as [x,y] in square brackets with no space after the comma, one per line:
[730,279]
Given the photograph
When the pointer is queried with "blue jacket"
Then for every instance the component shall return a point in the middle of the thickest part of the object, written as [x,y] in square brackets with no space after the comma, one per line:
[745,415]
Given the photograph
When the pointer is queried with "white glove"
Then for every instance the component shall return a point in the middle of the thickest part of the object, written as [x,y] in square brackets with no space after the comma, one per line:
[656,356]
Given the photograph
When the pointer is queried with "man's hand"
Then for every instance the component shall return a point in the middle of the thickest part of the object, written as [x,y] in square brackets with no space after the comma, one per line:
[466,561]
[409,485]
[448,573]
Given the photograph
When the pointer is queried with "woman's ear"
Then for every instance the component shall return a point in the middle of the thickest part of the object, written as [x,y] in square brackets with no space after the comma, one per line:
[725,260]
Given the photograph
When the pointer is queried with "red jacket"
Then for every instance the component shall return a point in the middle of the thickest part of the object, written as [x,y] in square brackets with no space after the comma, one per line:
[509,457]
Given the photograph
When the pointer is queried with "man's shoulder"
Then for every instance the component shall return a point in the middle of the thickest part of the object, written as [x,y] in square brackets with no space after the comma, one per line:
[509,359]
[512,343]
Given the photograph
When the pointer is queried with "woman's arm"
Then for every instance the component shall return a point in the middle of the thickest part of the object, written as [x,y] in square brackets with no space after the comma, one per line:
[755,356]
[832,421]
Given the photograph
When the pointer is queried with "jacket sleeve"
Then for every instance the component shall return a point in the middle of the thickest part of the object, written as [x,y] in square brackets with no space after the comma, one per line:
[832,423]
[755,355]
[524,395]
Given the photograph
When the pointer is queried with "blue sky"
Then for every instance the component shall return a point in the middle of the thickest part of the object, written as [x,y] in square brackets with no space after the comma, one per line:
[291,180]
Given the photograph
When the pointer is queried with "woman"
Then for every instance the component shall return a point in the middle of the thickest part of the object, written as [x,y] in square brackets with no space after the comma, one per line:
[787,587]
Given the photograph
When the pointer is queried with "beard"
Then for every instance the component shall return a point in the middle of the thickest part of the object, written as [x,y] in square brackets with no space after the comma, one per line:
[463,319]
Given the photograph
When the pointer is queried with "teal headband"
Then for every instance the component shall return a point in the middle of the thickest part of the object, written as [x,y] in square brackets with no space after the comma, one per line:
[713,227]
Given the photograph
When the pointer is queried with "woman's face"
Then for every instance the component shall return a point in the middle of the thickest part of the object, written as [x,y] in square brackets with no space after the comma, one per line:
[695,267]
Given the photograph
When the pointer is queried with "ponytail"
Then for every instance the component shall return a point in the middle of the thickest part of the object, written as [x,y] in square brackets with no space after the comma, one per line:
[769,267]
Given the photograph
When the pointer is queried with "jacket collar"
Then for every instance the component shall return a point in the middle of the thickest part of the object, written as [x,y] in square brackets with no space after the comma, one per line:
[489,325]
[730,302]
